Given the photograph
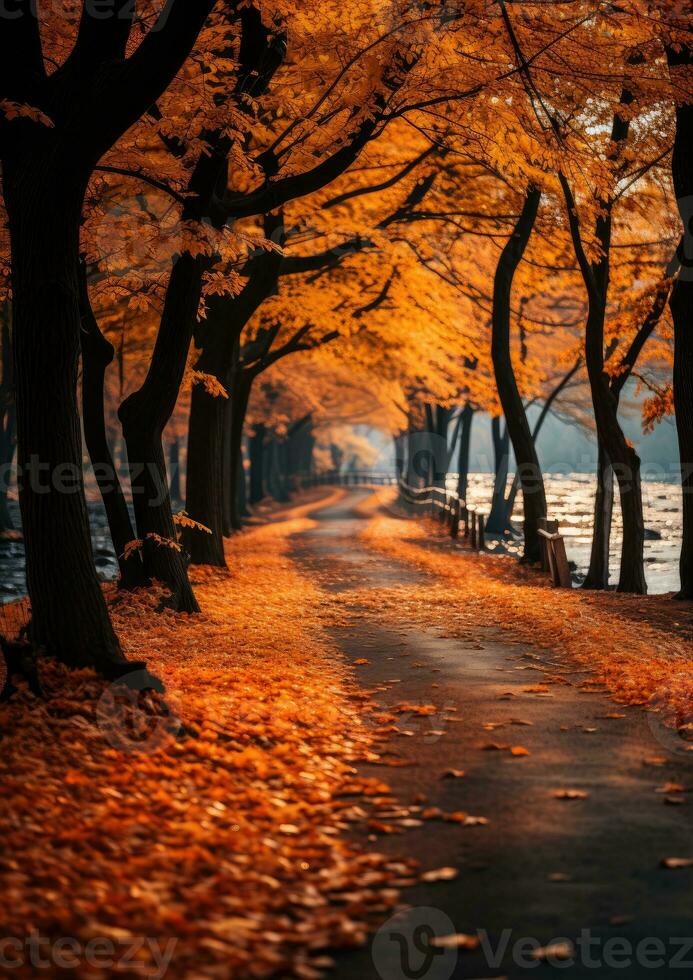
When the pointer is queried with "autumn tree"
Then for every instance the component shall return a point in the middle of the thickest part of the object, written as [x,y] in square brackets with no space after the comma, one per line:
[57,123]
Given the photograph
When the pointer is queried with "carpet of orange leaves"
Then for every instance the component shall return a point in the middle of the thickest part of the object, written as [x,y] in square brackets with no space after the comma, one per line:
[639,648]
[220,817]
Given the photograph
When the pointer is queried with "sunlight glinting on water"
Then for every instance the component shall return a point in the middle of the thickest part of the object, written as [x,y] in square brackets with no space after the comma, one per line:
[570,501]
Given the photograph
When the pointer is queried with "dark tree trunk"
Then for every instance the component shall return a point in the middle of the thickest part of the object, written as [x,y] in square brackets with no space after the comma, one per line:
[7,450]
[164,560]
[464,449]
[7,420]
[97,354]
[144,415]
[271,464]
[681,304]
[69,613]
[205,487]
[440,455]
[498,518]
[527,461]
[414,476]
[242,485]
[598,573]
[682,311]
[400,454]
[174,470]
[226,471]
[624,460]
[240,394]
[543,415]
[256,455]
[281,471]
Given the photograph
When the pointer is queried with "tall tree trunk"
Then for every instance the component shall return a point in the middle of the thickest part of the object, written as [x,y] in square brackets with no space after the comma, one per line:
[414,477]
[536,431]
[398,442]
[240,395]
[226,470]
[682,311]
[241,486]
[681,304]
[465,446]
[97,354]
[598,572]
[69,614]
[164,560]
[256,453]
[527,461]
[205,478]
[281,471]
[624,460]
[440,455]
[7,450]
[174,470]
[8,419]
[498,518]
[144,414]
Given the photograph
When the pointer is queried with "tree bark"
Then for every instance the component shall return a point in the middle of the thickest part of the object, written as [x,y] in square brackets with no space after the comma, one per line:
[531,479]
[8,419]
[682,312]
[69,614]
[205,484]
[256,453]
[463,457]
[598,572]
[240,395]
[681,304]
[498,518]
[144,415]
[97,354]
[174,470]
[624,460]
[241,486]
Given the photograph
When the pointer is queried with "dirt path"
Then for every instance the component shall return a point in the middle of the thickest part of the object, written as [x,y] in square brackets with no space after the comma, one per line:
[543,871]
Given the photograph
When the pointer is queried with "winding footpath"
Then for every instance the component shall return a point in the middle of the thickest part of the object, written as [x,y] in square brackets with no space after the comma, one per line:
[544,872]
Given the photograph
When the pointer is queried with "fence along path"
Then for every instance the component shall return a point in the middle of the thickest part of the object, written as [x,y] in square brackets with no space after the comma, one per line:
[447,507]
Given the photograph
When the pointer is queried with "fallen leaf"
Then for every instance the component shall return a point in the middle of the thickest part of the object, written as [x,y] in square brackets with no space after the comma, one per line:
[677,864]
[555,951]
[440,874]
[457,940]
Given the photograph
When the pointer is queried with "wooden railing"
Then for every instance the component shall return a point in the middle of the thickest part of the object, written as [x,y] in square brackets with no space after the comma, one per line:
[356,478]
[460,519]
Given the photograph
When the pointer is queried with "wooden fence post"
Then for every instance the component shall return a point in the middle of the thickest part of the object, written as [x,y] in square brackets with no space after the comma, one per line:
[563,579]
[455,519]
[480,531]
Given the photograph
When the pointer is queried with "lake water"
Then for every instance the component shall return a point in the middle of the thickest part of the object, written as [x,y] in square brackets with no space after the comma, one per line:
[570,501]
